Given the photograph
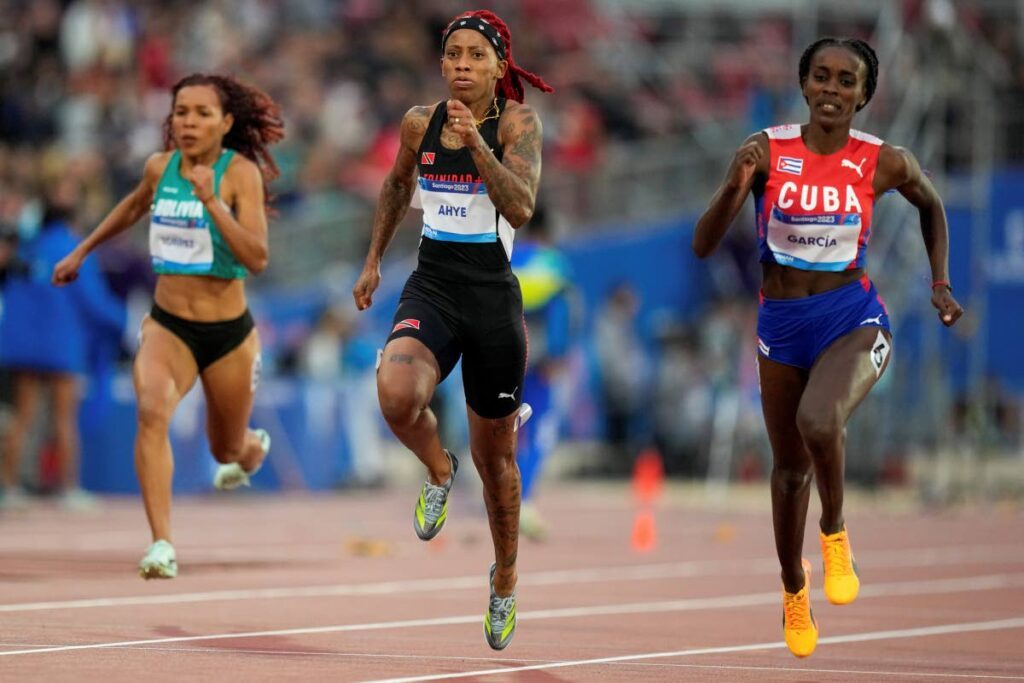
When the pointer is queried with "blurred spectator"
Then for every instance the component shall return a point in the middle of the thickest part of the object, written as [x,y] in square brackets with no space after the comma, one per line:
[339,355]
[47,340]
[321,354]
[993,418]
[646,94]
[683,403]
[545,279]
[625,369]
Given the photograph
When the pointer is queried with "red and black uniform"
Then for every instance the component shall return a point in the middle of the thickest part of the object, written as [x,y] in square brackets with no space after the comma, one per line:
[463,300]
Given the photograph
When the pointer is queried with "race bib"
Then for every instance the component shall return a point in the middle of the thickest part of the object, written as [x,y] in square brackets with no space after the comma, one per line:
[456,211]
[184,249]
[823,241]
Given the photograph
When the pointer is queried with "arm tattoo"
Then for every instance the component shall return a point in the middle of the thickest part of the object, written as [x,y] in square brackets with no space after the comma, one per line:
[512,183]
[395,193]
[401,358]
[418,120]
[391,208]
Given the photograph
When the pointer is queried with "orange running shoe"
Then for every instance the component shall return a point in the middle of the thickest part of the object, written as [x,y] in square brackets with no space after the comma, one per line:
[841,581]
[798,624]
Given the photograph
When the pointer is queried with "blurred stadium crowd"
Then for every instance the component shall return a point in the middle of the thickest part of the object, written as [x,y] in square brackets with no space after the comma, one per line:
[84,83]
[651,99]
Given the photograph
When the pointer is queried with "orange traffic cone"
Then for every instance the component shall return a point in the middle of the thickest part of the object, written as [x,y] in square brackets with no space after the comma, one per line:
[648,481]
[648,476]
[644,536]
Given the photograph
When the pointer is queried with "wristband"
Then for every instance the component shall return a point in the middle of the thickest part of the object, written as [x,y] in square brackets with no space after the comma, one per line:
[943,283]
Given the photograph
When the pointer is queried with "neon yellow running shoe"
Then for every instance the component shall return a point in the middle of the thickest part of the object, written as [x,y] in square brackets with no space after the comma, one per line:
[841,580]
[798,624]
[231,475]
[500,620]
[432,505]
[159,562]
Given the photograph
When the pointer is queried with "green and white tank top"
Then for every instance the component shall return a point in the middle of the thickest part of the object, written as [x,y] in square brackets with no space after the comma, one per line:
[183,239]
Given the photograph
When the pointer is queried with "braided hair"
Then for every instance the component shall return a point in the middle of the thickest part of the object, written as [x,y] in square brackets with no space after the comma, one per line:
[508,86]
[257,124]
[854,45]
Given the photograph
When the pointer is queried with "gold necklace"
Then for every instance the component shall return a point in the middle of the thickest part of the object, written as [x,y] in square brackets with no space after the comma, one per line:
[488,117]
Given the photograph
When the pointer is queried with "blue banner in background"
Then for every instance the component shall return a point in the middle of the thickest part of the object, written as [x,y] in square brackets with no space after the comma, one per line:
[1000,325]
[311,423]
[656,260]
[1005,281]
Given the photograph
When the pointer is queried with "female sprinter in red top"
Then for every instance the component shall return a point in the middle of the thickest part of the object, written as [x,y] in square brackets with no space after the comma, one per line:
[823,330]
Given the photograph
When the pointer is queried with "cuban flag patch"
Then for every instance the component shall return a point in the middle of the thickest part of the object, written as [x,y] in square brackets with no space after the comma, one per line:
[790,165]
[427,158]
[408,323]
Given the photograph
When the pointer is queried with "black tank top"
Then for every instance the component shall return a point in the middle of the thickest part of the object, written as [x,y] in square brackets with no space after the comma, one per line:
[463,234]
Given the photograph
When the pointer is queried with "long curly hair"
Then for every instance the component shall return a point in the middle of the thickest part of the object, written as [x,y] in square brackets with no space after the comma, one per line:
[509,86]
[258,123]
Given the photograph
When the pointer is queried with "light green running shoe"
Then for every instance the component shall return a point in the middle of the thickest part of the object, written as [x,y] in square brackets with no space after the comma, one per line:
[500,620]
[231,475]
[432,505]
[159,562]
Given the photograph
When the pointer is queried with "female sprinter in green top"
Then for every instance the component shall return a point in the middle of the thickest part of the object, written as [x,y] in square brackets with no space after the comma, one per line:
[208,229]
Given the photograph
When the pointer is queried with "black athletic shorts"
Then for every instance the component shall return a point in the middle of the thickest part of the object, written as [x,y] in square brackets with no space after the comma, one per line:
[480,321]
[208,342]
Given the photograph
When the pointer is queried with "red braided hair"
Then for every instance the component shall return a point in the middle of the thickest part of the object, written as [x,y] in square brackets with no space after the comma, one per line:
[509,86]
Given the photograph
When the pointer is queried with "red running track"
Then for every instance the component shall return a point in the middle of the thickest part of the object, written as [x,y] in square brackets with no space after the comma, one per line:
[339,588]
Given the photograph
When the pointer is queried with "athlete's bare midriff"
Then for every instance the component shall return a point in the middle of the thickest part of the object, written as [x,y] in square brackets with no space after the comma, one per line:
[200,298]
[783,282]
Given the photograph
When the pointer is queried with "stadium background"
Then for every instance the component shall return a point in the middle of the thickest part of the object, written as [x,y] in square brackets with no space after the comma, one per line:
[652,99]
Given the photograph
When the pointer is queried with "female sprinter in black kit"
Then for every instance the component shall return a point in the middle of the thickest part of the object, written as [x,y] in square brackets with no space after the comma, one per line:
[479,158]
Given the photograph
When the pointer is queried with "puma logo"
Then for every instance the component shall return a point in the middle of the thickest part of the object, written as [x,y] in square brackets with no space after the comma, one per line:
[877,320]
[502,394]
[846,163]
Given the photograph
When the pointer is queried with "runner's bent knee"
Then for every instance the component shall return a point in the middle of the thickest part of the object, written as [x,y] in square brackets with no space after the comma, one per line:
[404,394]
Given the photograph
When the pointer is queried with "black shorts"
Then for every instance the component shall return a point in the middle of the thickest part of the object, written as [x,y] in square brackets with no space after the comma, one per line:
[208,342]
[482,323]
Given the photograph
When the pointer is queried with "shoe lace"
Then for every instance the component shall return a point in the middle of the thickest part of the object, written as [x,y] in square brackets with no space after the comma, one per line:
[499,610]
[797,611]
[433,500]
[836,555]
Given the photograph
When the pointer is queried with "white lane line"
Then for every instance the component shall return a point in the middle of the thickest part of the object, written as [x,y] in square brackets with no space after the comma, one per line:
[521,660]
[375,626]
[945,629]
[685,605]
[25,644]
[446,659]
[517,660]
[901,674]
[927,557]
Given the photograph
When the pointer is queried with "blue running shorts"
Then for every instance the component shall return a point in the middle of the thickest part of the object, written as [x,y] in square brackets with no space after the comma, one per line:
[797,331]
